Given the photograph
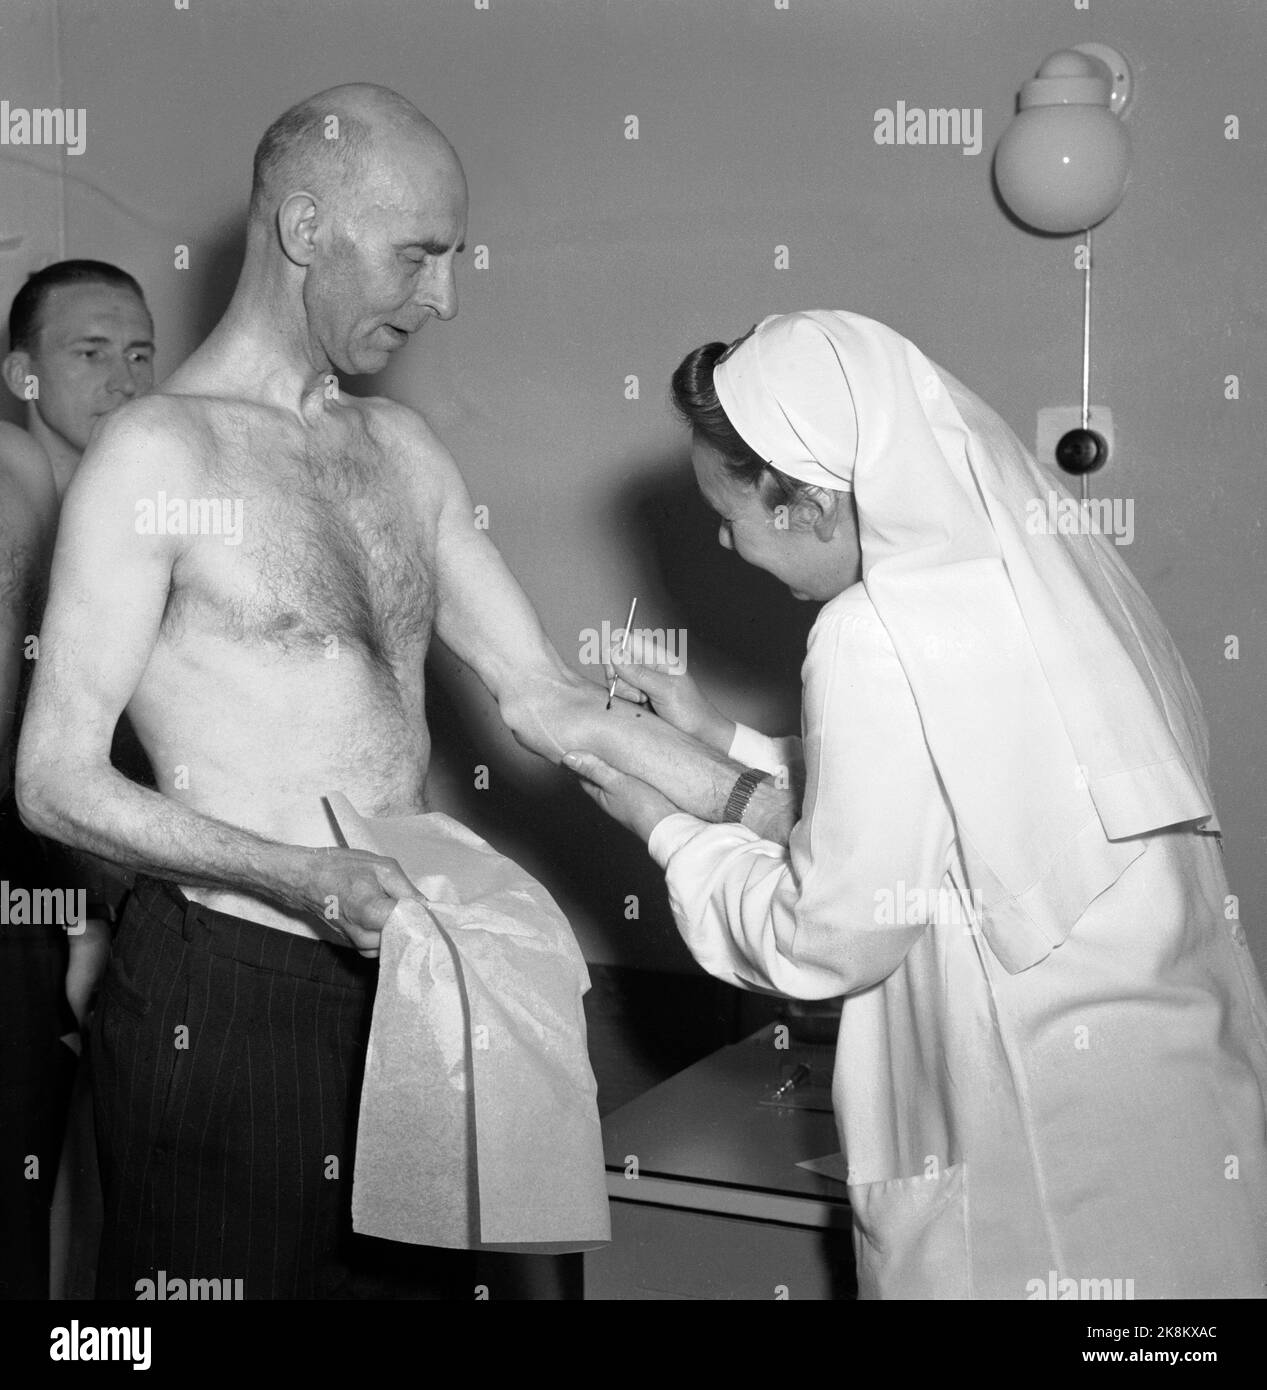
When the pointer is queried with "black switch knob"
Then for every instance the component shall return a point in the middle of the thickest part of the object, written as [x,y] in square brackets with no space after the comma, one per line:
[1082,451]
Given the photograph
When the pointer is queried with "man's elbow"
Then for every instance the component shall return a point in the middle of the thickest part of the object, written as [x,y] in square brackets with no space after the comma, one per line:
[30,791]
[32,794]
[41,790]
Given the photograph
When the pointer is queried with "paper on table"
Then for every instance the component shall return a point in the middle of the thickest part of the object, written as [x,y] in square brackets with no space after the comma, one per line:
[479,1123]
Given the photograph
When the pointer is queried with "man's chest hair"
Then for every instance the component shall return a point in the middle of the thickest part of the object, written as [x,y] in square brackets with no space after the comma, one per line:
[334,549]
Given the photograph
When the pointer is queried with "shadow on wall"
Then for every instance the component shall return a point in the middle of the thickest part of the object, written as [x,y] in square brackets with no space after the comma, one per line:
[742,622]
[223,258]
[744,632]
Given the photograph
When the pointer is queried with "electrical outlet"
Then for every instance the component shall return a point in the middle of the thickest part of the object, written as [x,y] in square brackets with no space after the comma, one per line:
[1056,420]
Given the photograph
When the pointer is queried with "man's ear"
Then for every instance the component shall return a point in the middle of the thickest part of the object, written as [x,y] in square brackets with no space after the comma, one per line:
[297,221]
[16,369]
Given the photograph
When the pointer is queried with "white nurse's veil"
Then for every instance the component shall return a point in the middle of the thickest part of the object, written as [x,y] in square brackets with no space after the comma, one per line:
[1057,710]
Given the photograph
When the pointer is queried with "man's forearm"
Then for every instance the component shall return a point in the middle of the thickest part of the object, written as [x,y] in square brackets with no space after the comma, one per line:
[555,719]
[629,737]
[142,830]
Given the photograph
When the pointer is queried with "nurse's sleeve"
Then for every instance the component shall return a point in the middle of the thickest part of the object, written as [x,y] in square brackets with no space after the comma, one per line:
[825,916]
[773,755]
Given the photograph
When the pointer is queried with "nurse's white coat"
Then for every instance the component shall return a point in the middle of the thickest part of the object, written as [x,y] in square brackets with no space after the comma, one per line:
[1100,1116]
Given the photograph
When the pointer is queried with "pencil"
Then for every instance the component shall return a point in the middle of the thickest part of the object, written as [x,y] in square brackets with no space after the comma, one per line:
[624,642]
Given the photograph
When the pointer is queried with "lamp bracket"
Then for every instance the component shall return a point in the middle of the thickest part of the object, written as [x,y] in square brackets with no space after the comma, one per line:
[1121,79]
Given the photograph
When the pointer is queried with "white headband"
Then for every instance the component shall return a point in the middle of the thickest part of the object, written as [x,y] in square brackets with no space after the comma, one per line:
[784,389]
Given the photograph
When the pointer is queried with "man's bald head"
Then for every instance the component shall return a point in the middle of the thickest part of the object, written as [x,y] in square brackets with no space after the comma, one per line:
[332,144]
[357,213]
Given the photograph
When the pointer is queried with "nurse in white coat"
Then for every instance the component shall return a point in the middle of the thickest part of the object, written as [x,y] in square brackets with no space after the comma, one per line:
[1051,1077]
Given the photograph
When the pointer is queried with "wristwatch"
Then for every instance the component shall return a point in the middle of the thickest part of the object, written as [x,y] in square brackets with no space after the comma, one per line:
[741,793]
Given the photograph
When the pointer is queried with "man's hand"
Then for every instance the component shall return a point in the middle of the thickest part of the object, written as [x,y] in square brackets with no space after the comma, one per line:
[632,802]
[356,892]
[673,694]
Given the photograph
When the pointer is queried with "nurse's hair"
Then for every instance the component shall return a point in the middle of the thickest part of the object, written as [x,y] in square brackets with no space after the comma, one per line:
[695,400]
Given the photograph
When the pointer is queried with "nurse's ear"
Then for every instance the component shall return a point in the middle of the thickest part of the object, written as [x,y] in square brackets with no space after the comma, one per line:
[803,508]
[799,515]
[793,505]
[823,511]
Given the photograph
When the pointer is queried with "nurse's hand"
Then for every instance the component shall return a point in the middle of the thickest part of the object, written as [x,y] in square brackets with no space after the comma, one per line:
[629,800]
[671,693]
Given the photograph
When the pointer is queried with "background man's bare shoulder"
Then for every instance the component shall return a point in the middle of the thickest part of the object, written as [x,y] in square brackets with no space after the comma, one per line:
[25,531]
[25,474]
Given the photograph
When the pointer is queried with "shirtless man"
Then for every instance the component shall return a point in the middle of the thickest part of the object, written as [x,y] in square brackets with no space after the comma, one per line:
[262,670]
[81,343]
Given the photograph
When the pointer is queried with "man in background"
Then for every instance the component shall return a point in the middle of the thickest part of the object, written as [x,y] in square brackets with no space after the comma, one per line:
[81,343]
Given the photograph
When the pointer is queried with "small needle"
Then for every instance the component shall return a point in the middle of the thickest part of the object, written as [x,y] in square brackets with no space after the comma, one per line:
[792,1082]
[624,642]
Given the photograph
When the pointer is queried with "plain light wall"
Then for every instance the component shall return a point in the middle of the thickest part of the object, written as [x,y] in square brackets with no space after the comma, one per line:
[32,202]
[611,257]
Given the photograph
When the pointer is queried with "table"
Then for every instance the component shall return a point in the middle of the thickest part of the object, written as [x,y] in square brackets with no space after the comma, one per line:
[706,1199]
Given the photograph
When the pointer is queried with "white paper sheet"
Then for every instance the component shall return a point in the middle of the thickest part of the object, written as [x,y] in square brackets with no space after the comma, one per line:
[478,1123]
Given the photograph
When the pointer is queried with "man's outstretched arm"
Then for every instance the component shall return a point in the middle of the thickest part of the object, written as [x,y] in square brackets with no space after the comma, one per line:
[486,619]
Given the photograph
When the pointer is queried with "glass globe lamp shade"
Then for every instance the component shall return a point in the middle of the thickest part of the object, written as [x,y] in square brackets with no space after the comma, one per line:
[1063,162]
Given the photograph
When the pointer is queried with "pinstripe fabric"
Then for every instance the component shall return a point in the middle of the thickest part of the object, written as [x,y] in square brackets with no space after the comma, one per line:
[227,1061]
